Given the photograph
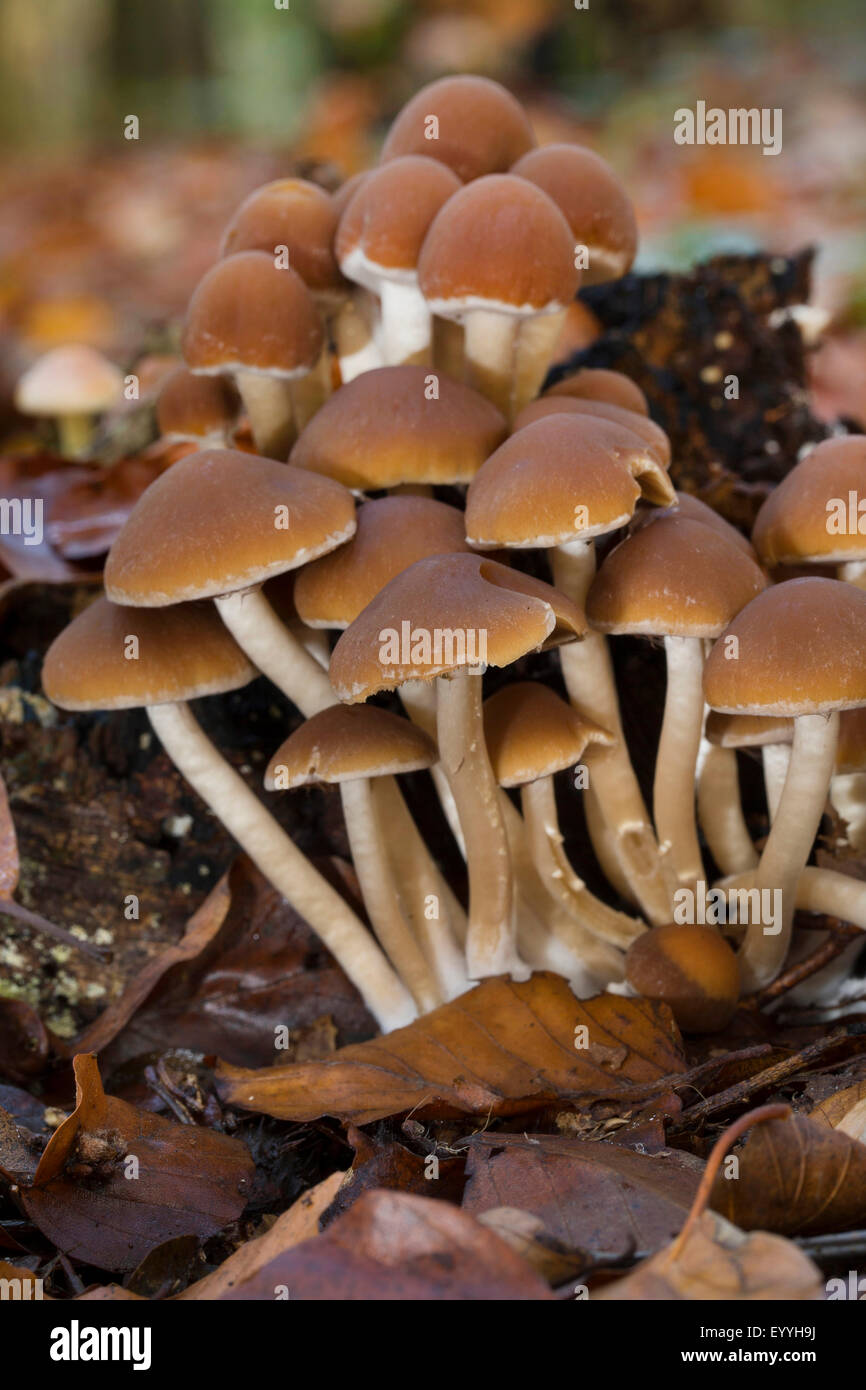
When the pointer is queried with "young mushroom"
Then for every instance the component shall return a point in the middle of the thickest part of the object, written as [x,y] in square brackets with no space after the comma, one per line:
[200,410]
[798,650]
[599,384]
[656,441]
[472,125]
[257,322]
[812,517]
[70,385]
[444,619]
[692,969]
[350,745]
[112,658]
[682,581]
[480,264]
[378,243]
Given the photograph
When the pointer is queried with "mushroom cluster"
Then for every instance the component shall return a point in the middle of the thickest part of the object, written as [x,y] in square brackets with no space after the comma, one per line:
[389,346]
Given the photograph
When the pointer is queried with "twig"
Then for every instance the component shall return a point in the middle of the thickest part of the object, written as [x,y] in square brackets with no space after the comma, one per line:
[841,935]
[9,908]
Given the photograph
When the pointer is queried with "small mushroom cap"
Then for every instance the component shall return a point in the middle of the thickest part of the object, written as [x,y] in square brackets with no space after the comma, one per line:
[593,201]
[747,730]
[247,315]
[647,430]
[482,129]
[500,244]
[393,533]
[676,578]
[345,742]
[806,517]
[182,653]
[693,509]
[801,649]
[384,226]
[532,733]
[552,482]
[342,196]
[72,380]
[851,750]
[445,614]
[196,407]
[692,969]
[219,521]
[298,215]
[383,429]
[599,384]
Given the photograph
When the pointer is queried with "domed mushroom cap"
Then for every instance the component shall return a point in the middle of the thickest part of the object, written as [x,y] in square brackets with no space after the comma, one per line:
[218,521]
[532,733]
[181,653]
[647,430]
[298,215]
[72,380]
[445,614]
[693,509]
[383,429]
[747,730]
[393,533]
[499,243]
[593,201]
[598,384]
[247,315]
[851,750]
[481,128]
[674,578]
[196,407]
[806,518]
[385,223]
[801,649]
[552,482]
[346,742]
[692,969]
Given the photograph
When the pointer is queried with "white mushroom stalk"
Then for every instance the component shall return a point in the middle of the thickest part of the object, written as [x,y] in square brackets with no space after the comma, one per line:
[271,647]
[269,405]
[676,759]
[720,812]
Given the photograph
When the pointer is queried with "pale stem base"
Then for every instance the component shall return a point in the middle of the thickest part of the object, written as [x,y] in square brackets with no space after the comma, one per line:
[720,813]
[536,345]
[268,403]
[676,758]
[407,324]
[489,343]
[355,329]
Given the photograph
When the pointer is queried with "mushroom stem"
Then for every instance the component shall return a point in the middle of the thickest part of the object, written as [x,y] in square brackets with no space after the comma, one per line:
[790,841]
[355,335]
[776,760]
[491,938]
[310,391]
[271,647]
[557,874]
[271,850]
[721,814]
[74,433]
[407,323]
[589,680]
[380,895]
[268,403]
[677,756]
[537,338]
[449,355]
[489,344]
[419,701]
[848,798]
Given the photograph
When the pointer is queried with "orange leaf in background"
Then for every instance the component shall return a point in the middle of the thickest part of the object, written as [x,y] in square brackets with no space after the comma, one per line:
[500,1049]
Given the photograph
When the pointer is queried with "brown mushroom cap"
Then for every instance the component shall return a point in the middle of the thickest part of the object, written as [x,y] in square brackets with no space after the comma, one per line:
[675,578]
[528,492]
[644,428]
[346,742]
[298,215]
[794,524]
[436,598]
[747,730]
[247,315]
[593,201]
[393,533]
[382,429]
[692,969]
[499,243]
[532,733]
[212,524]
[196,407]
[801,650]
[74,380]
[482,129]
[599,384]
[183,652]
[693,509]
[851,750]
[385,223]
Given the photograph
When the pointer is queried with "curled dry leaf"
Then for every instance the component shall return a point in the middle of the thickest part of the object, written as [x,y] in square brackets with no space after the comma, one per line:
[384,1163]
[115,1181]
[501,1049]
[845,1110]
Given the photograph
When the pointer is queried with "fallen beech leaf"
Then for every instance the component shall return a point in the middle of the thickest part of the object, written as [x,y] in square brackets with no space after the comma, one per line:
[798,1178]
[836,1109]
[108,1293]
[501,1049]
[165,1268]
[525,1234]
[383,1163]
[299,1223]
[18,1158]
[592,1196]
[397,1247]
[96,1206]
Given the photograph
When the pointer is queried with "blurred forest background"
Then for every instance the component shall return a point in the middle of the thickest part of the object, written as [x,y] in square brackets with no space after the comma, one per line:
[102,238]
